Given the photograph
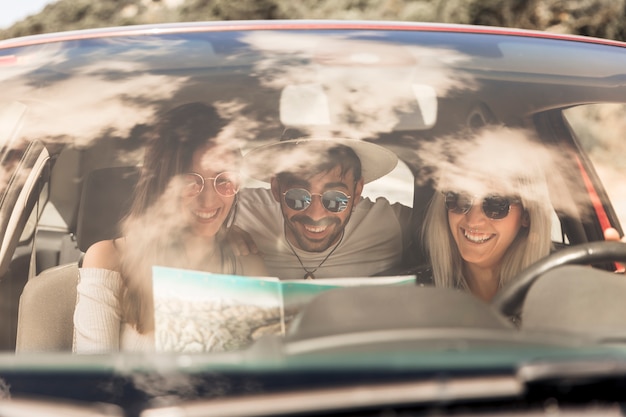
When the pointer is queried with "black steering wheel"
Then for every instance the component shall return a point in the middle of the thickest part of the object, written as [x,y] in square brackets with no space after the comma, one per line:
[509,301]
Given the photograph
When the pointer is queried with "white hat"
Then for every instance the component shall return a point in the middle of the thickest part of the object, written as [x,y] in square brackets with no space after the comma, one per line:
[263,162]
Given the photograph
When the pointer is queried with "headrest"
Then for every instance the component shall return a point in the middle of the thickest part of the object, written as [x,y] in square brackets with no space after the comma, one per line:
[105,199]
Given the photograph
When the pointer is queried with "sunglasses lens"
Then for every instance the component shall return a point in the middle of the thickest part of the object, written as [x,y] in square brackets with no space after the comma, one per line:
[458,203]
[227,184]
[300,199]
[192,185]
[297,199]
[335,201]
[496,207]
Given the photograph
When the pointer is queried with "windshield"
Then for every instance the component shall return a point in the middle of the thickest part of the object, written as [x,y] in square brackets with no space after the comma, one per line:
[315,192]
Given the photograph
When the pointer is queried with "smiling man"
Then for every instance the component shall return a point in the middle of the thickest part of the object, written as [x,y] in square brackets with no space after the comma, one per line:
[313,222]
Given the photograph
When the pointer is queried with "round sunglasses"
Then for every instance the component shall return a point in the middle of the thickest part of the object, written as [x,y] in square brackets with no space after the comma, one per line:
[225,183]
[495,207]
[300,199]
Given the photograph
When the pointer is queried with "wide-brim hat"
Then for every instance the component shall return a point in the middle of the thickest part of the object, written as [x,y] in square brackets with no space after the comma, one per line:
[264,162]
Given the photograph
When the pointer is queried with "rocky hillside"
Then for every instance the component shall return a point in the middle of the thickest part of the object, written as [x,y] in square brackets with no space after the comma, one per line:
[601,18]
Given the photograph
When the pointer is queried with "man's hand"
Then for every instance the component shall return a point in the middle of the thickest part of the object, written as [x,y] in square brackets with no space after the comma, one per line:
[241,242]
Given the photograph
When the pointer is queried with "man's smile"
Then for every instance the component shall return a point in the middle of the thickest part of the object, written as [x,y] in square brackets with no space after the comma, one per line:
[315,229]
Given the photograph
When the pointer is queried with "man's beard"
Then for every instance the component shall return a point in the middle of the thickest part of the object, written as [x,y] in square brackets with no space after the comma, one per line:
[310,245]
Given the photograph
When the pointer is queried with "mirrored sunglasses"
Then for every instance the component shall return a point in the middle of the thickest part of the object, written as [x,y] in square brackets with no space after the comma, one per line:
[225,183]
[300,199]
[494,207]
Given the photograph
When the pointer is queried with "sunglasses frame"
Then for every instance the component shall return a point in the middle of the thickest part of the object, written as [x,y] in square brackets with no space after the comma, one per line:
[483,206]
[343,207]
[214,180]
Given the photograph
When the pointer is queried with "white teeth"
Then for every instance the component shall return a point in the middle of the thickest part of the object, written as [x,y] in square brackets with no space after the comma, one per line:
[476,237]
[206,215]
[315,229]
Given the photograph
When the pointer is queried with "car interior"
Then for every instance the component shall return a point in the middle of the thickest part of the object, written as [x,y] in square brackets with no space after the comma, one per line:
[42,321]
[76,194]
[46,307]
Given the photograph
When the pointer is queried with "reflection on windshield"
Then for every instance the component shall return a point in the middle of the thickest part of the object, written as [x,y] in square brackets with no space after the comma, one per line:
[368,83]
[436,115]
[496,159]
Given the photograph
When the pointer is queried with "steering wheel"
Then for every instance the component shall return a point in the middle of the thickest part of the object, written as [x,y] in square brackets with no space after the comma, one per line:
[509,301]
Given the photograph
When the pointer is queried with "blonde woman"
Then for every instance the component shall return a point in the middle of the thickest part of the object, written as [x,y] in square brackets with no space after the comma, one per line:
[490,217]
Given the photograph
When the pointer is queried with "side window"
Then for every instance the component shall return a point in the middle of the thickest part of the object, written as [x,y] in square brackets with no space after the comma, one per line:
[23,192]
[600,129]
[397,186]
[557,231]
[31,223]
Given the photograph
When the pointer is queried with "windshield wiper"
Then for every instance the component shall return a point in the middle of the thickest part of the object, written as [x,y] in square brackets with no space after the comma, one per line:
[575,381]
[358,396]
[571,370]
[17,407]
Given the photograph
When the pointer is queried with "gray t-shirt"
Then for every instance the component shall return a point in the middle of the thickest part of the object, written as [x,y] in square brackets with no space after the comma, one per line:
[373,241]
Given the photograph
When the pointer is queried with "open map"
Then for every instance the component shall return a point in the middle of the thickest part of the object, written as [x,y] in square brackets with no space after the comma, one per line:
[200,312]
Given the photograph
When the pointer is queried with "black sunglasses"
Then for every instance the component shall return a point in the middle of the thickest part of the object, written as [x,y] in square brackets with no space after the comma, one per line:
[300,199]
[225,183]
[494,207]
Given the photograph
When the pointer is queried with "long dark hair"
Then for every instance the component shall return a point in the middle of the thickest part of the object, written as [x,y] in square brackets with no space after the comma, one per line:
[172,143]
[177,135]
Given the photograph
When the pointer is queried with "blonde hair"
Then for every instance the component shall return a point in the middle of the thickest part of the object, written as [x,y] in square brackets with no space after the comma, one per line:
[531,243]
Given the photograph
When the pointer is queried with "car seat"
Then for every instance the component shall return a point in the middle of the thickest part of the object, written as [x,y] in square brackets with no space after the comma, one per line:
[46,309]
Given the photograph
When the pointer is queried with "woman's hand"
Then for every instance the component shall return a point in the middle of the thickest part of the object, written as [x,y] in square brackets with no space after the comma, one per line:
[612,234]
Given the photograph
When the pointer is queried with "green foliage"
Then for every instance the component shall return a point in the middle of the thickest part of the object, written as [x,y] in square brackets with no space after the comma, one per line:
[600,18]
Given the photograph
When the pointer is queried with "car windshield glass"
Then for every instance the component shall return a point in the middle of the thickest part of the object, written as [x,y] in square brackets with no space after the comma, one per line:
[198,189]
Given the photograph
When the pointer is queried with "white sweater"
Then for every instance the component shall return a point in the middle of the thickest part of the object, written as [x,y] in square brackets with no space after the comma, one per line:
[98,326]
